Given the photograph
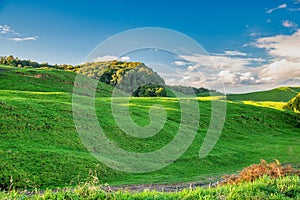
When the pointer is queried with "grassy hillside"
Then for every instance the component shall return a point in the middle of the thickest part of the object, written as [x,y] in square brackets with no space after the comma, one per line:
[282,94]
[294,104]
[39,146]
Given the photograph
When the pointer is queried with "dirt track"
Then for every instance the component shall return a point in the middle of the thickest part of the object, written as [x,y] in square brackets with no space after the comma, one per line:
[158,187]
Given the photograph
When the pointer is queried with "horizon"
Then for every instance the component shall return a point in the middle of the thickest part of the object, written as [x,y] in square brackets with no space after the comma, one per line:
[253,44]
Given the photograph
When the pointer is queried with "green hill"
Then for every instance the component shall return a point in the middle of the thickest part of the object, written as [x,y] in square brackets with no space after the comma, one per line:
[282,94]
[294,104]
[40,147]
[132,77]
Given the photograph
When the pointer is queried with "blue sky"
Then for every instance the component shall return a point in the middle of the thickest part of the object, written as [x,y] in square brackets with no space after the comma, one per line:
[244,38]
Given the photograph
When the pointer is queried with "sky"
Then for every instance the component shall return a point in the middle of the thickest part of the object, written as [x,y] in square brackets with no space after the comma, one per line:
[252,45]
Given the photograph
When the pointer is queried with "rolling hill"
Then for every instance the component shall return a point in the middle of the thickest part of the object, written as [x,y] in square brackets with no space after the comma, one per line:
[282,94]
[294,104]
[40,147]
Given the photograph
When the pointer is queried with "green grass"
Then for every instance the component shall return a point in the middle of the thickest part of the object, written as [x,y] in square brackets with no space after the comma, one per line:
[282,94]
[263,188]
[40,148]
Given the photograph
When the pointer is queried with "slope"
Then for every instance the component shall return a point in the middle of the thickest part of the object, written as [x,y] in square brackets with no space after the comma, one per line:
[40,147]
[294,104]
[282,94]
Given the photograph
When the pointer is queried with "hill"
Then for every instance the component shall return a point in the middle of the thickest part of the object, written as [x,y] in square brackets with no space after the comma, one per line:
[294,104]
[282,94]
[132,77]
[40,147]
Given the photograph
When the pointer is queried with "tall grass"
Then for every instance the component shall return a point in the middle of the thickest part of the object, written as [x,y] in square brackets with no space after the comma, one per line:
[287,187]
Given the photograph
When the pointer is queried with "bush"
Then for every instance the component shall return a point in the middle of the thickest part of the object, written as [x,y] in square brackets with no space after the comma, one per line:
[255,171]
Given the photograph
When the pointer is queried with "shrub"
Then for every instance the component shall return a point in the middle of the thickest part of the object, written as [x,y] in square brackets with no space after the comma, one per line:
[255,171]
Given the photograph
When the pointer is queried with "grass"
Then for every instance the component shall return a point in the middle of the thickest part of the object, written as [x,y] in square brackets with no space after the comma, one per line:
[40,148]
[263,188]
[282,94]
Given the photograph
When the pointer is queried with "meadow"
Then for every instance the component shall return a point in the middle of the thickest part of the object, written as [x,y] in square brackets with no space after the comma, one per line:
[40,147]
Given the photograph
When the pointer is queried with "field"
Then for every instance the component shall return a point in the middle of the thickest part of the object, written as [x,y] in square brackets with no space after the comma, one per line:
[40,147]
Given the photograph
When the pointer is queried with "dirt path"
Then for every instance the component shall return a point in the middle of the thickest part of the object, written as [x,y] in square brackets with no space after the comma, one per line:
[158,187]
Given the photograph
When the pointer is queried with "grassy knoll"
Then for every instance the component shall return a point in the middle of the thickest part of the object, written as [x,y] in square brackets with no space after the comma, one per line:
[282,94]
[40,148]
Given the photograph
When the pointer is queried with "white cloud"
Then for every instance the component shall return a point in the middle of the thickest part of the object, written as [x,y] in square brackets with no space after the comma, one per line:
[6,30]
[269,20]
[7,33]
[281,70]
[110,58]
[125,58]
[179,63]
[191,68]
[228,77]
[282,46]
[220,61]
[21,39]
[235,53]
[276,8]
[289,24]
[105,58]
[242,74]
[254,34]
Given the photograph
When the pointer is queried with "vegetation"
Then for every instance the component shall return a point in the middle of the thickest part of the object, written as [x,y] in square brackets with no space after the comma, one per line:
[150,90]
[132,77]
[16,62]
[273,182]
[40,148]
[263,188]
[255,171]
[282,94]
[193,91]
[294,104]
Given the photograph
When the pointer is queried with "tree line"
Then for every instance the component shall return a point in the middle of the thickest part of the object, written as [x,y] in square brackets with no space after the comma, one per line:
[16,62]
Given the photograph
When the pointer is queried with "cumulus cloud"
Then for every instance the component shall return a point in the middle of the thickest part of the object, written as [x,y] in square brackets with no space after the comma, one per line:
[280,71]
[282,46]
[242,73]
[235,53]
[125,58]
[289,24]
[105,58]
[282,6]
[237,78]
[111,58]
[230,59]
[21,39]
[179,63]
[233,68]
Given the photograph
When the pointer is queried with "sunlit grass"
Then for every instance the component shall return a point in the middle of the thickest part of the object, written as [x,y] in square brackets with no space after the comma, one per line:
[267,104]
[39,144]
